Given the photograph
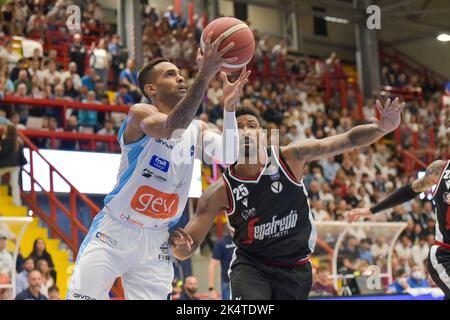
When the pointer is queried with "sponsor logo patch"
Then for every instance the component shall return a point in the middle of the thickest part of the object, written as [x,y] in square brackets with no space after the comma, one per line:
[150,174]
[165,254]
[159,163]
[127,218]
[104,238]
[274,229]
[154,203]
[276,187]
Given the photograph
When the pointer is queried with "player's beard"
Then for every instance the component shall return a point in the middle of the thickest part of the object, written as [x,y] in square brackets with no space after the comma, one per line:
[171,97]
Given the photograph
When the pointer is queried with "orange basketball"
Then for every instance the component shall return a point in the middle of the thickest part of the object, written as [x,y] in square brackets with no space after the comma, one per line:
[236,31]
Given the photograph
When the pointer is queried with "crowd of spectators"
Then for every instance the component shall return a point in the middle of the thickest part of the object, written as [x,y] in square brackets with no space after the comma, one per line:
[100,72]
[35,275]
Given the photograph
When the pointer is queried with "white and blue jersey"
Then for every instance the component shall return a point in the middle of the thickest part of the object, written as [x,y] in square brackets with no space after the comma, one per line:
[154,179]
[150,195]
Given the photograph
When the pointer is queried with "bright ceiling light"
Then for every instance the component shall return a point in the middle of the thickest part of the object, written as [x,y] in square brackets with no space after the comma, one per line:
[335,19]
[443,37]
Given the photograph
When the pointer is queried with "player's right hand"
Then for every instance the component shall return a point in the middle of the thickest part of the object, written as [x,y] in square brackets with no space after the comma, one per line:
[181,240]
[357,214]
[210,61]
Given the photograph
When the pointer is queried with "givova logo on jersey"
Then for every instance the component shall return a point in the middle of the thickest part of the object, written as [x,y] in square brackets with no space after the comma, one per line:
[154,203]
[275,229]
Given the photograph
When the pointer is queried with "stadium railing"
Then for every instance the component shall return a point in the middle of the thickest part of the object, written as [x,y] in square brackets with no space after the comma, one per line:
[56,204]
[408,63]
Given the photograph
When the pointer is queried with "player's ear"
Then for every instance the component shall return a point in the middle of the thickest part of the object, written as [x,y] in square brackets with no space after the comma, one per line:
[150,89]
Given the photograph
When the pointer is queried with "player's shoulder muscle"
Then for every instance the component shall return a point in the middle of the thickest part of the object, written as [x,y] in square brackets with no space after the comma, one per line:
[135,115]
[431,177]
[435,168]
[139,111]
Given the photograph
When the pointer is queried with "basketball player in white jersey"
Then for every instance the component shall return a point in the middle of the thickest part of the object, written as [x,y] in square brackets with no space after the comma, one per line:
[129,237]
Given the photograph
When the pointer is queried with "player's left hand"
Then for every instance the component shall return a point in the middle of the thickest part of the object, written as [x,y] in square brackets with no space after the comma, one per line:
[181,240]
[232,91]
[390,114]
[358,213]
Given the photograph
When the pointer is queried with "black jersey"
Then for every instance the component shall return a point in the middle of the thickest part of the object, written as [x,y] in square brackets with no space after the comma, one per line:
[441,197]
[270,214]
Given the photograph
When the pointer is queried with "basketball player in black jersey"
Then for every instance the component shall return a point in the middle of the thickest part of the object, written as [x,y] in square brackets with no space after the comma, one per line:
[268,209]
[437,173]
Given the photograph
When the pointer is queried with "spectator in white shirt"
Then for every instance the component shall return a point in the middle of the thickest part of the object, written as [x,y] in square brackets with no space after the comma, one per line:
[320,214]
[5,230]
[51,73]
[100,60]
[6,260]
[72,73]
[325,194]
[403,248]
[363,196]
[380,248]
[11,56]
[420,251]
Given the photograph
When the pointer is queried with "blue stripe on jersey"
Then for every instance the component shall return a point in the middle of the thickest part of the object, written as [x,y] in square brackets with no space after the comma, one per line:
[133,155]
[92,231]
[174,222]
[120,135]
[121,130]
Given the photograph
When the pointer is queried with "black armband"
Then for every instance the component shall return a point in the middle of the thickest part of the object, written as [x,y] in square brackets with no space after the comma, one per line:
[402,195]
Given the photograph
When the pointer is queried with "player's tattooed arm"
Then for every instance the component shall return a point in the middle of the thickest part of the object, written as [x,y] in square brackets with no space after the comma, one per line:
[185,241]
[430,178]
[363,135]
[148,120]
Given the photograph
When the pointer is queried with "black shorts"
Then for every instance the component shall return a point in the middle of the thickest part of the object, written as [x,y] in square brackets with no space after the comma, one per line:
[252,280]
[439,268]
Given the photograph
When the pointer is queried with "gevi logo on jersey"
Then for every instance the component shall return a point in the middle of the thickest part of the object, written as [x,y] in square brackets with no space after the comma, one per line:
[159,163]
[154,203]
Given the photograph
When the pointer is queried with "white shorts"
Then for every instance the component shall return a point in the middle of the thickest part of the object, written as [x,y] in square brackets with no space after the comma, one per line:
[113,249]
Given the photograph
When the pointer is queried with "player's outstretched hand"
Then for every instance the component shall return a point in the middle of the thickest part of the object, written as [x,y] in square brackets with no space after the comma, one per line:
[358,213]
[211,59]
[233,90]
[180,240]
[390,114]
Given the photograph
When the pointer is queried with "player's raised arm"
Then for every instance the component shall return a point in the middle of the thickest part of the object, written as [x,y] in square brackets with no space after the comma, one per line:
[363,135]
[225,147]
[185,241]
[152,122]
[403,194]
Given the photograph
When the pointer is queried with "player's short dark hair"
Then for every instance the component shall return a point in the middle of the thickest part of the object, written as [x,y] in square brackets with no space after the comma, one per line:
[242,111]
[145,75]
